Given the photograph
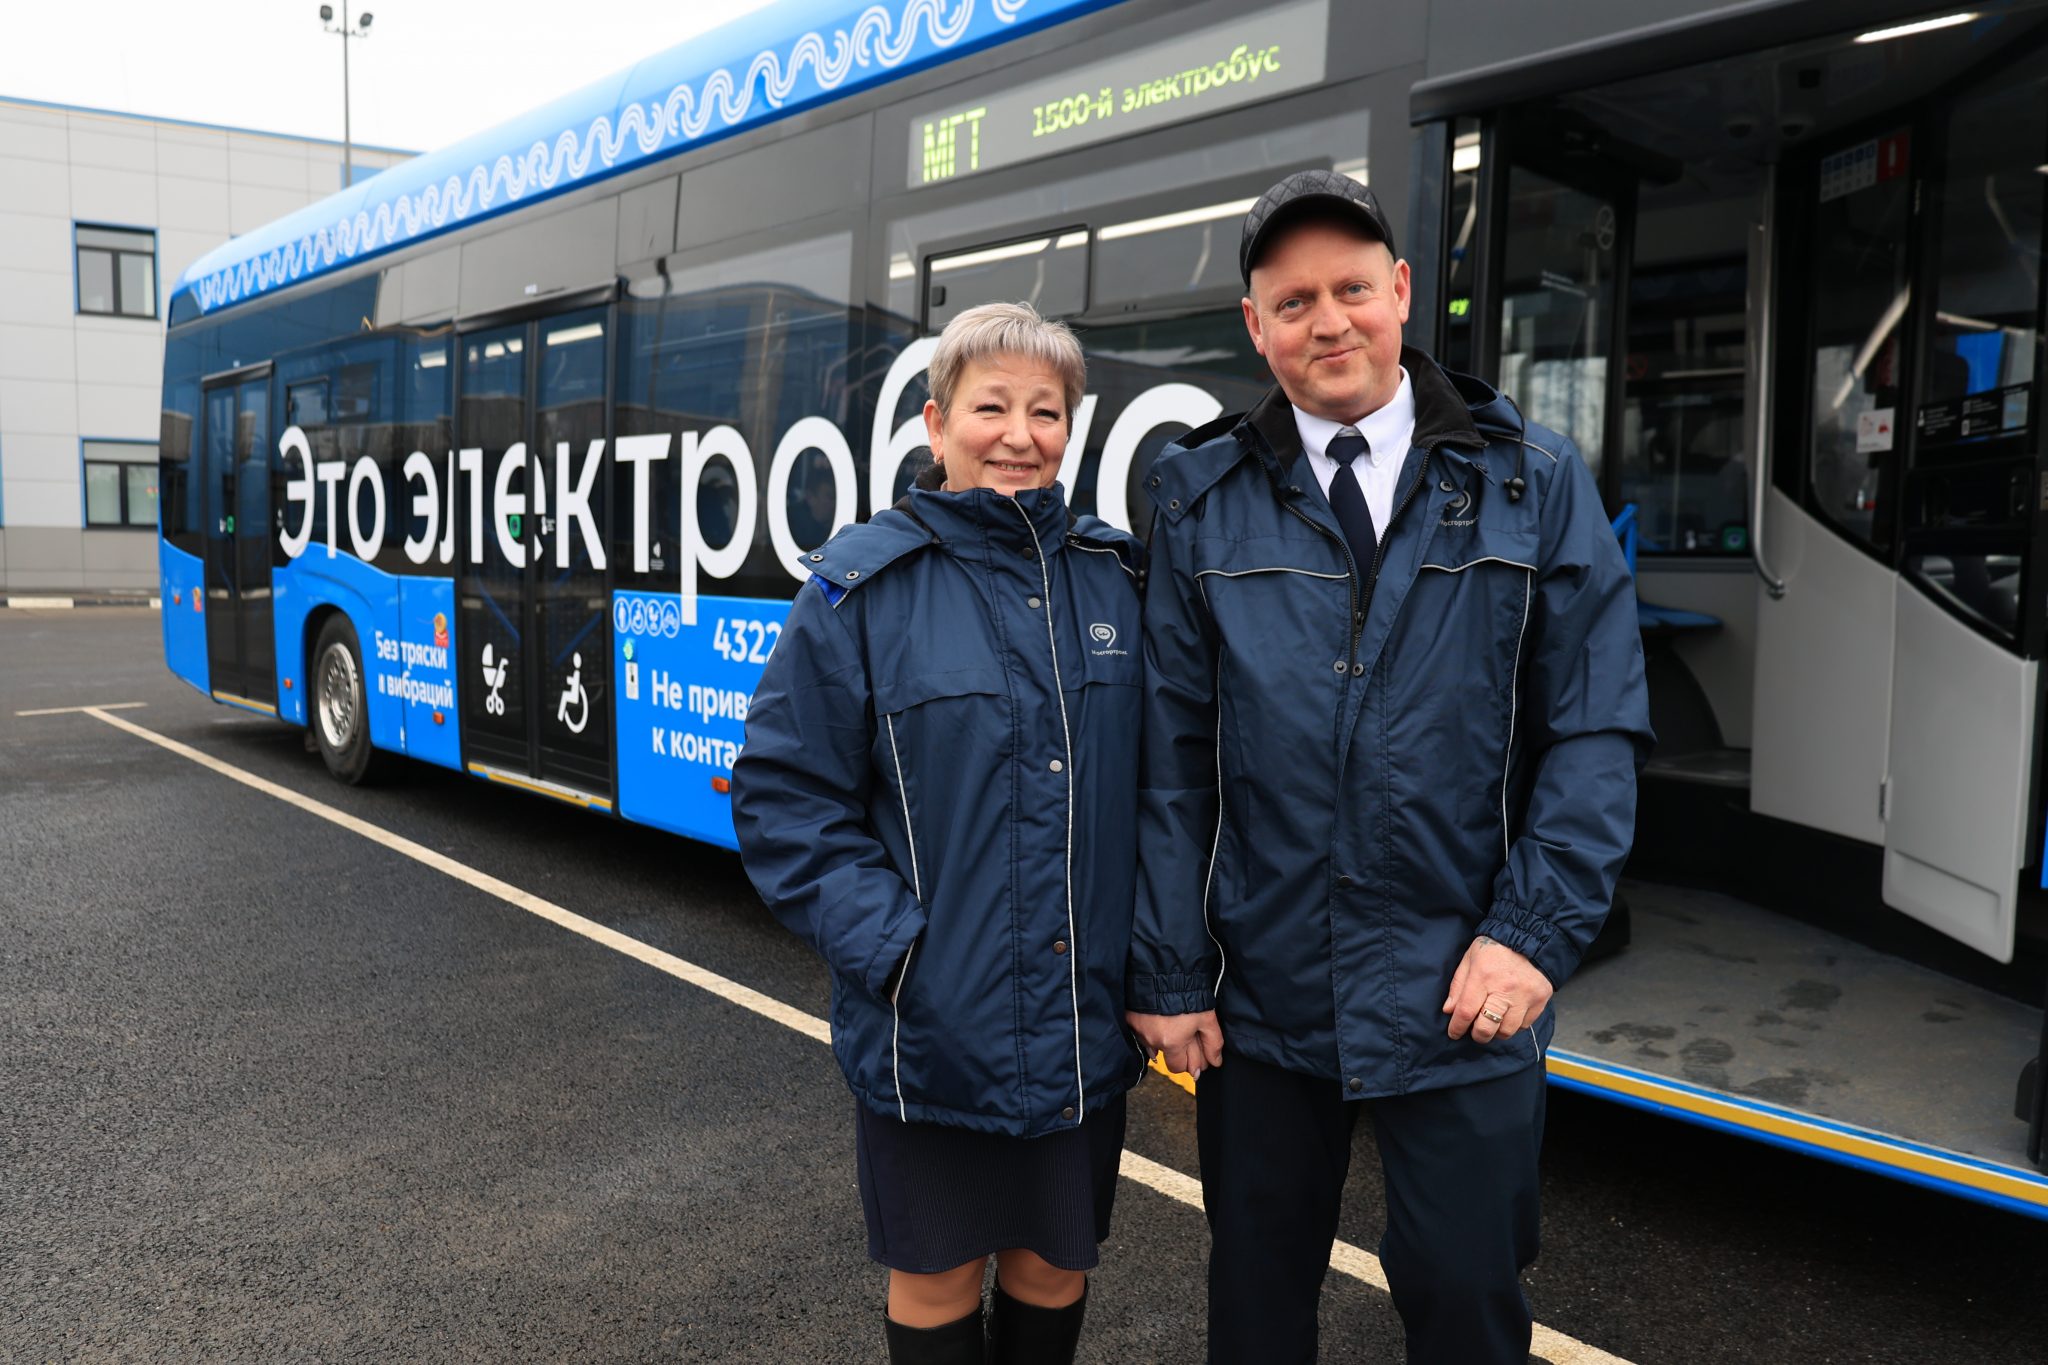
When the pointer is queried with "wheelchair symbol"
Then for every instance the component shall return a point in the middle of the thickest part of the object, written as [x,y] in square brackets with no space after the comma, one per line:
[574,695]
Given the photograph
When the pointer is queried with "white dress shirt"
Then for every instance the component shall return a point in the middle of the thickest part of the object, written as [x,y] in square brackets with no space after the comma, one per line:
[1388,433]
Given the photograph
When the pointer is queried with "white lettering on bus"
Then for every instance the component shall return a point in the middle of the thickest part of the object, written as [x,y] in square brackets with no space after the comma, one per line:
[640,452]
[719,459]
[471,462]
[572,503]
[1153,408]
[888,447]
[505,505]
[809,433]
[329,473]
[426,505]
[297,489]
[721,442]
[367,544]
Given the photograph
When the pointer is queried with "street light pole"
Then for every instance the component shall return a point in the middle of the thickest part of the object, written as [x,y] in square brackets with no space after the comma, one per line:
[360,29]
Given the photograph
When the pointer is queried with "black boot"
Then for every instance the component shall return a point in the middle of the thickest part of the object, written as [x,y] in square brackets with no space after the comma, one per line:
[951,1343]
[1021,1334]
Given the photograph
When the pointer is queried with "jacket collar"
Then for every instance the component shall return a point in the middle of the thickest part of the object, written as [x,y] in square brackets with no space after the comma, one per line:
[964,522]
[1443,420]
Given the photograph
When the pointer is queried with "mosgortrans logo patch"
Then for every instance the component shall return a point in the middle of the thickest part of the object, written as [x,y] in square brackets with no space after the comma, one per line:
[1103,636]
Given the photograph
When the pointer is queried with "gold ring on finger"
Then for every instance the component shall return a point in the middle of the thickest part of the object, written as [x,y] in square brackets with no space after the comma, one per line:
[1491,1015]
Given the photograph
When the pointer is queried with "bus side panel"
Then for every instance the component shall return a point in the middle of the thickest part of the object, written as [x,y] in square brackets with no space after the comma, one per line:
[184,611]
[369,598]
[682,694]
[424,676]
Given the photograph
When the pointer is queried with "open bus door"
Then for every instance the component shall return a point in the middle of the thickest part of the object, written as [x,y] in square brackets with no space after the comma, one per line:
[236,474]
[1831,320]
[1901,542]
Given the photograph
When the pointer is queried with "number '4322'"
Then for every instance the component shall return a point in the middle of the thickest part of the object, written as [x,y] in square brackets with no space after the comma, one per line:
[745,642]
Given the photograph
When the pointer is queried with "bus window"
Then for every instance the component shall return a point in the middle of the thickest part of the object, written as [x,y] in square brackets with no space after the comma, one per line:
[754,340]
[1050,273]
[1156,258]
[1557,297]
[366,396]
[1981,366]
[1859,295]
[1984,339]
[1461,247]
[1683,458]
[178,493]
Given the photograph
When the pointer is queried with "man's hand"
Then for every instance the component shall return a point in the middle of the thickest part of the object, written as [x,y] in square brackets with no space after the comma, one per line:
[1496,992]
[1191,1043]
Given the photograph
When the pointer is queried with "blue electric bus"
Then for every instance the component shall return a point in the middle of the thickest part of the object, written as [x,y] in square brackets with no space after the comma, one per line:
[507,459]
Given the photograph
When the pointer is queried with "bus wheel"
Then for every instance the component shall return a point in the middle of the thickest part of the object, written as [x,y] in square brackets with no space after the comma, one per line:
[341,713]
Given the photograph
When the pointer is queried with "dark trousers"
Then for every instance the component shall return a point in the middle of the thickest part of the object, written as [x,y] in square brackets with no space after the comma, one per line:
[1462,1218]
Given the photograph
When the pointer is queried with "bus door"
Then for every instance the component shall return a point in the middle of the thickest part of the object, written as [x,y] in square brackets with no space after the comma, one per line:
[532,592]
[235,455]
[1968,617]
[1822,695]
[1908,533]
[1565,213]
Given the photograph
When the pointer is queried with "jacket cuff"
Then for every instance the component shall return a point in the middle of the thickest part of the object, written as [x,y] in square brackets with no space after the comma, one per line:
[1534,937]
[890,952]
[1168,993]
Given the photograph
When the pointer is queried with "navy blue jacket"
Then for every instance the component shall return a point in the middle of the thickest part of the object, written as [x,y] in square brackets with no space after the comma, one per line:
[938,792]
[1349,775]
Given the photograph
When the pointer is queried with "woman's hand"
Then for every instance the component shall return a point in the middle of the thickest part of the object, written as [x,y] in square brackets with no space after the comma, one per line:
[1190,1043]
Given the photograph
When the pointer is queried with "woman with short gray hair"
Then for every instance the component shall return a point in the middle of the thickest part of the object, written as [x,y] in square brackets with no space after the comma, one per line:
[938,792]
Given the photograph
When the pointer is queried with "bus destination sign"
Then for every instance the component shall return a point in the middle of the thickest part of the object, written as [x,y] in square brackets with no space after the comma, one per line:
[1186,77]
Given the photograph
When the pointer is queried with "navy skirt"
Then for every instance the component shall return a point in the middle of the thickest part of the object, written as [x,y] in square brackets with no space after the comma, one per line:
[939,1197]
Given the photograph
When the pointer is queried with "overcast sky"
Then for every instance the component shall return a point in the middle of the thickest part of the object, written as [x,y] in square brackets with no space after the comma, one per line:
[431,72]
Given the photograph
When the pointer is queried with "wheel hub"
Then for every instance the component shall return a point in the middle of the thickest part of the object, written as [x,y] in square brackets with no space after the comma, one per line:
[340,697]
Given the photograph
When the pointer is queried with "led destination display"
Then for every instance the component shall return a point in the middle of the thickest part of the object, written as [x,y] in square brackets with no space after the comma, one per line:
[1186,77]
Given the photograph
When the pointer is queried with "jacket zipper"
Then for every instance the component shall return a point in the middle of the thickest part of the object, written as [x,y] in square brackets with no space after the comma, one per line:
[1067,742]
[1358,608]
[1350,576]
[917,890]
[1379,550]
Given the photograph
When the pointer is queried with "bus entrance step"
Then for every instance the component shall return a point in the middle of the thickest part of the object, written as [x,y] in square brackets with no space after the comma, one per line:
[1705,767]
[1727,1014]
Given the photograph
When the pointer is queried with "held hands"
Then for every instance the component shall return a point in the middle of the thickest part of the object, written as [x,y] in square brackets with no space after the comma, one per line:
[1190,1043]
[1496,992]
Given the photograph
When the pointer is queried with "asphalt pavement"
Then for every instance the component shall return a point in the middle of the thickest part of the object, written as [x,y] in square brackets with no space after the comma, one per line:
[271,1091]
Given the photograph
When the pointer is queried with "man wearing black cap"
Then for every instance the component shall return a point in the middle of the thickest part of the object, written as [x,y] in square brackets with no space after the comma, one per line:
[1394,715]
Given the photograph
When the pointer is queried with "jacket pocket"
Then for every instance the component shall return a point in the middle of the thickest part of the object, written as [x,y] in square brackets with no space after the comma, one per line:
[1461,549]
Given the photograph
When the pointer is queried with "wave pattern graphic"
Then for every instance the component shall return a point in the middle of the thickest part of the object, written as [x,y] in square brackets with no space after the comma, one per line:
[877,41]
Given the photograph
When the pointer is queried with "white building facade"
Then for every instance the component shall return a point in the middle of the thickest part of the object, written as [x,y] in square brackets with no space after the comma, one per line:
[99,215]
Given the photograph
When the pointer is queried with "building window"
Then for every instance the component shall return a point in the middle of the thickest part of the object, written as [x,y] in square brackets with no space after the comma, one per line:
[120,484]
[116,272]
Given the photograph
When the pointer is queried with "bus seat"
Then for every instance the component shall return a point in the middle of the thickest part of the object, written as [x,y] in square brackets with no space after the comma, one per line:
[1655,621]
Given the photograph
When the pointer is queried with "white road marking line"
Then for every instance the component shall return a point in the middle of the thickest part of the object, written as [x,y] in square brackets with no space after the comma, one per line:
[1345,1258]
[73,710]
[39,603]
[743,996]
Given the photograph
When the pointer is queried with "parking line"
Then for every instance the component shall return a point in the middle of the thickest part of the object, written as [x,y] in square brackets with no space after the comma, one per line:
[1345,1258]
[74,710]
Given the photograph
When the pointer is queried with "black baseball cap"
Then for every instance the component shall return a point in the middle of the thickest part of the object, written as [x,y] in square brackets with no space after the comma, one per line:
[1320,192]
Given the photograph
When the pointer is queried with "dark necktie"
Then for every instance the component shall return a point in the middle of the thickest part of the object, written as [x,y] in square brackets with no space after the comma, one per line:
[1347,499]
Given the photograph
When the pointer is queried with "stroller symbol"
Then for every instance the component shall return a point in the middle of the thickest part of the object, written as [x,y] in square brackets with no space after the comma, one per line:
[574,695]
[494,678]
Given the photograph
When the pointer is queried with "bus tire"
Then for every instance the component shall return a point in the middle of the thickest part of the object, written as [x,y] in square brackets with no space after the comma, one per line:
[340,711]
